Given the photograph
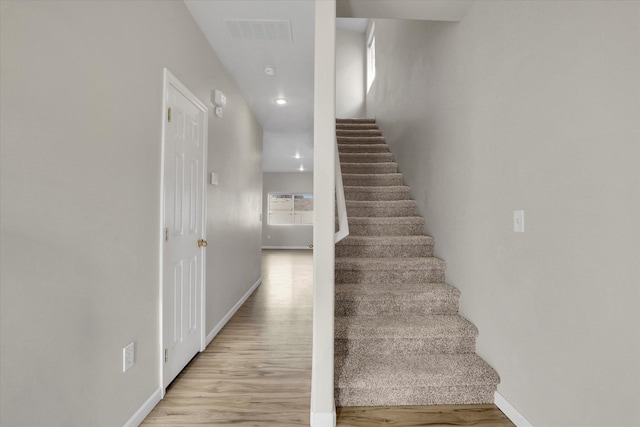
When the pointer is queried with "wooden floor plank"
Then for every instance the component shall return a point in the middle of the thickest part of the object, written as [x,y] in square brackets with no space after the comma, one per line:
[257,371]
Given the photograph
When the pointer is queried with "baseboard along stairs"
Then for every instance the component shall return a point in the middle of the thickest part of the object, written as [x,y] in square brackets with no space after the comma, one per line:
[398,337]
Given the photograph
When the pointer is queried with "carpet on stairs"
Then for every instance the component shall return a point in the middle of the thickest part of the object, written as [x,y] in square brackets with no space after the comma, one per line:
[399,339]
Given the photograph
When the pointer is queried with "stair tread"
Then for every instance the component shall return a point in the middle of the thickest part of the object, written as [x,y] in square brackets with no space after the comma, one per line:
[386,240]
[356,126]
[363,178]
[377,208]
[375,148]
[381,203]
[367,163]
[369,168]
[384,155]
[361,139]
[355,120]
[384,291]
[413,371]
[375,189]
[402,326]
[386,220]
[356,263]
[358,132]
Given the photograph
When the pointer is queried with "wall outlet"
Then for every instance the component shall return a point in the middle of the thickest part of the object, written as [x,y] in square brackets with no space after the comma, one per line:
[518,221]
[128,357]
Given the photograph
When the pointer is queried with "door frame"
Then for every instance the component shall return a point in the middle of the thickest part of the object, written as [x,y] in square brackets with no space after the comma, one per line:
[170,80]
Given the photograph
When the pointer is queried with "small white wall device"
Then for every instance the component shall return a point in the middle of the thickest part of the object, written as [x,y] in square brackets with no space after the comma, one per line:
[213,178]
[219,100]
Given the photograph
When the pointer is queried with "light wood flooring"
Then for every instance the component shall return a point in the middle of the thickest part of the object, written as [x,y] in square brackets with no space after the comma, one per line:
[257,371]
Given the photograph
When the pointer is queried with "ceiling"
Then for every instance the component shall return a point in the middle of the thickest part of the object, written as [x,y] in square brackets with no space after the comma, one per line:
[249,35]
[288,129]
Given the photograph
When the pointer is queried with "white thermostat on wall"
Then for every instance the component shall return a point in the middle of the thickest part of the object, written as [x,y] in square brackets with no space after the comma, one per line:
[218,99]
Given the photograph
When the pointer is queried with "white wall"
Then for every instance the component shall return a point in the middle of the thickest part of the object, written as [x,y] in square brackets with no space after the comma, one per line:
[80,128]
[285,236]
[323,410]
[534,106]
[351,61]
[280,151]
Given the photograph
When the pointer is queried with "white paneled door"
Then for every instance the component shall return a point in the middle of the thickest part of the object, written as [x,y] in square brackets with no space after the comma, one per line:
[184,233]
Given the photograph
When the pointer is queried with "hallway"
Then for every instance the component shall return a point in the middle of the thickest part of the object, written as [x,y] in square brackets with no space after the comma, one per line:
[257,371]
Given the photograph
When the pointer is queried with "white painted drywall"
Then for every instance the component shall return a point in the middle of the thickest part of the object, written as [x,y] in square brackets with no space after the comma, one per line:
[436,10]
[81,115]
[285,236]
[532,106]
[351,63]
[323,413]
[280,150]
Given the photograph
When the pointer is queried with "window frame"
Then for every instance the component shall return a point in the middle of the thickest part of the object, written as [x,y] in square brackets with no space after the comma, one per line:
[292,211]
[371,56]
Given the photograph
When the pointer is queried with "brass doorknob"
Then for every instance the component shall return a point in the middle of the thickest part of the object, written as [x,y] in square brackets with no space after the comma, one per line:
[202,243]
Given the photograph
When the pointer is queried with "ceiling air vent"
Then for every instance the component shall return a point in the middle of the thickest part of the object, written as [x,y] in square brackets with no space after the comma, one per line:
[260,29]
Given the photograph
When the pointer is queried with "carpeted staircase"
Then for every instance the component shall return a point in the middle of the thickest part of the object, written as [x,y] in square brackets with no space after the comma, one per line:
[398,337]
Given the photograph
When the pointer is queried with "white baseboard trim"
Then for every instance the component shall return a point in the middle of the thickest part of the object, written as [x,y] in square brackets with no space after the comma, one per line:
[511,412]
[142,412]
[287,247]
[323,419]
[211,335]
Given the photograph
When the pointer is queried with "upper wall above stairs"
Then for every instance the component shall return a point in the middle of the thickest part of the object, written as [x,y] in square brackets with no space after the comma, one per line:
[433,10]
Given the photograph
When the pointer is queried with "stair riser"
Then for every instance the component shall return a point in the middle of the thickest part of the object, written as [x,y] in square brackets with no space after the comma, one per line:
[426,275]
[385,229]
[371,181]
[401,346]
[361,140]
[363,148]
[377,196]
[363,307]
[382,251]
[366,157]
[452,395]
[390,211]
[369,168]
[356,126]
[371,132]
[355,120]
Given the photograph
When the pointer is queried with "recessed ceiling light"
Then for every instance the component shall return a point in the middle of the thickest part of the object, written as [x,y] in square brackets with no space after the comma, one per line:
[301,168]
[297,156]
[281,101]
[269,71]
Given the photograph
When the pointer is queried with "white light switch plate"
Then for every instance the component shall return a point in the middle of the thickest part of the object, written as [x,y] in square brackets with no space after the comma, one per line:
[518,221]
[213,178]
[128,357]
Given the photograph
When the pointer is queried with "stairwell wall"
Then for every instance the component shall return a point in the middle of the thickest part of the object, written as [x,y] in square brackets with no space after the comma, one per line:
[351,60]
[533,106]
[81,120]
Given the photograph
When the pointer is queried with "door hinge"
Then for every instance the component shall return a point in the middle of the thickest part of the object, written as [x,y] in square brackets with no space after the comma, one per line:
[166,355]
[169,114]
[166,234]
